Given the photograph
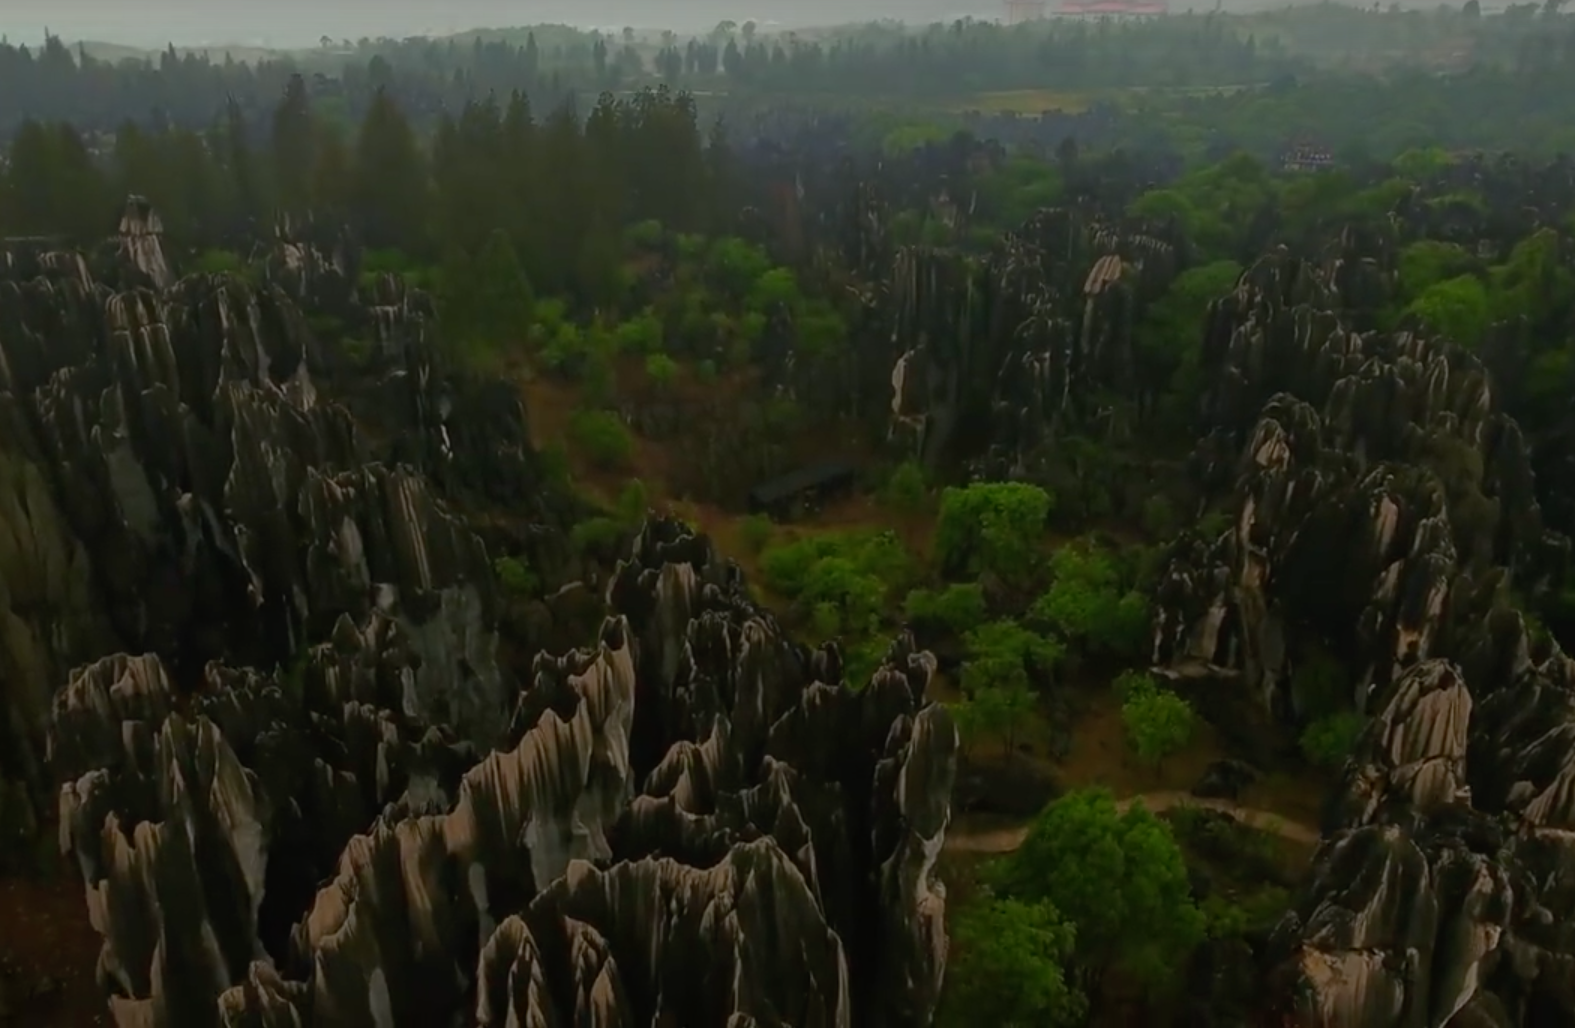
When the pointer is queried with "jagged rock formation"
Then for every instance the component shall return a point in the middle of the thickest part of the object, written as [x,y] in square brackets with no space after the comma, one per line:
[1441,893]
[1013,341]
[177,477]
[1406,471]
[1450,845]
[695,766]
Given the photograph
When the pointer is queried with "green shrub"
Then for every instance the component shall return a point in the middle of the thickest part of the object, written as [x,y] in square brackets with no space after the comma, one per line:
[992,527]
[1158,723]
[1131,683]
[639,335]
[906,490]
[633,503]
[755,531]
[221,262]
[1328,740]
[597,535]
[645,234]
[661,369]
[516,577]
[958,608]
[1088,606]
[603,438]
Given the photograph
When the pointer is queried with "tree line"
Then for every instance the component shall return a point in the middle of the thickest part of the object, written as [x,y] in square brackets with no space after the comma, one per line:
[560,187]
[57,82]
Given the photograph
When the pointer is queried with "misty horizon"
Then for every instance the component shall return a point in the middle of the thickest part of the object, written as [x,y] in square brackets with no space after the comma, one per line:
[298,23]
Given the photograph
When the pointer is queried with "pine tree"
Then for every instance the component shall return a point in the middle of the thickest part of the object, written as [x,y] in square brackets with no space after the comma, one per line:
[294,148]
[389,196]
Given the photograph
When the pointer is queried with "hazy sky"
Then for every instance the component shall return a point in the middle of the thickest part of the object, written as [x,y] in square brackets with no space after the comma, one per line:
[302,22]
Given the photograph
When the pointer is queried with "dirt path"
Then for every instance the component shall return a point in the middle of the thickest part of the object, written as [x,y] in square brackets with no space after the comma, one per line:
[1005,840]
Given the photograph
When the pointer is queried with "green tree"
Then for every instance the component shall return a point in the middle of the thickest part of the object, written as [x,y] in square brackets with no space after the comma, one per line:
[1119,878]
[52,185]
[1158,722]
[1328,741]
[661,369]
[1457,308]
[906,490]
[602,436]
[958,608]
[389,201]
[1170,335]
[1010,968]
[1427,262]
[294,148]
[1088,607]
[1004,660]
[992,527]
[487,303]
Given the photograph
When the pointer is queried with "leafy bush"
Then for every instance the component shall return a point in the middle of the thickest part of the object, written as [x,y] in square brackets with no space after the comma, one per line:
[755,531]
[516,577]
[1010,967]
[1328,740]
[1087,605]
[1118,877]
[632,504]
[1158,722]
[860,660]
[958,608]
[598,535]
[735,265]
[776,288]
[1004,653]
[854,572]
[1131,682]
[554,459]
[222,262]
[645,234]
[819,329]
[906,490]
[992,527]
[603,438]
[641,334]
[661,369]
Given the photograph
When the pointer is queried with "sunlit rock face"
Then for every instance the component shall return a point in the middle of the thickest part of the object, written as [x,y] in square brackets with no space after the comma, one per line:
[772,861]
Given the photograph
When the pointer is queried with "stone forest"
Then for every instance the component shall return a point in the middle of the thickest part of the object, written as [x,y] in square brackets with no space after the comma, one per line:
[1054,524]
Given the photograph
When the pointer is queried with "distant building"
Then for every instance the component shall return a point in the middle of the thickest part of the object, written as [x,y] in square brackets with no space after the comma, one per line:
[1304,157]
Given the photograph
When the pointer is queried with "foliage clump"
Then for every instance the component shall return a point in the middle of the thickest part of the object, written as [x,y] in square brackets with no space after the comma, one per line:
[1119,878]
[992,528]
[1157,721]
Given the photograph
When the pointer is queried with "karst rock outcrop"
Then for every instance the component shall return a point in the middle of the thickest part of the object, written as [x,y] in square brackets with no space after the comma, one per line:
[694,819]
[1449,849]
[1016,341]
[1442,891]
[245,594]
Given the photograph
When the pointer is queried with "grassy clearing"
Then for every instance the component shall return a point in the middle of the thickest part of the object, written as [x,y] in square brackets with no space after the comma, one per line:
[1026,101]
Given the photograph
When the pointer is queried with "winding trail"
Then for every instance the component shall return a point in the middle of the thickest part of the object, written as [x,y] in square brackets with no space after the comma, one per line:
[1005,840]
